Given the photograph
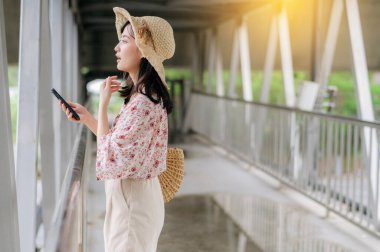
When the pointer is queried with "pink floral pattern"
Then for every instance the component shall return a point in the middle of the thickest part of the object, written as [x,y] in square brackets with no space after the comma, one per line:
[136,145]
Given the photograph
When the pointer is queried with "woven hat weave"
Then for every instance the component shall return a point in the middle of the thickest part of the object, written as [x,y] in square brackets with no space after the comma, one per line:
[153,36]
[171,178]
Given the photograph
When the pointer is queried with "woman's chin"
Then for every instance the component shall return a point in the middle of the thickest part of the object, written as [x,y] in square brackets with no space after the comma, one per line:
[120,67]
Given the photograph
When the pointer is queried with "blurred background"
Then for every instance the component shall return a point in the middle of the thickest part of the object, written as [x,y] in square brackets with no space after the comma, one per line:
[285,91]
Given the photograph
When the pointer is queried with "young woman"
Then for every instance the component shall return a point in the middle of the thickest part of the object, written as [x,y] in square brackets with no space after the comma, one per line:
[132,153]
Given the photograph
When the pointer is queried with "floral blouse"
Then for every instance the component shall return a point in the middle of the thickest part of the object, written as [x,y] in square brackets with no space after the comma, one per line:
[136,145]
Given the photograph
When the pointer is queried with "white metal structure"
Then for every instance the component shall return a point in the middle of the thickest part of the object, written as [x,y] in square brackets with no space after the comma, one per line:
[46,129]
[337,176]
[9,231]
[27,122]
[360,73]
[240,49]
[49,57]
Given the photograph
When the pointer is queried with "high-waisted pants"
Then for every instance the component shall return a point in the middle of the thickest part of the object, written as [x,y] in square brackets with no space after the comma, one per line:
[134,215]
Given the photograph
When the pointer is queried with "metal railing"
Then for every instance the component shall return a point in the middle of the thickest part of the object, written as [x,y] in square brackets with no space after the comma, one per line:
[332,159]
[68,229]
[273,226]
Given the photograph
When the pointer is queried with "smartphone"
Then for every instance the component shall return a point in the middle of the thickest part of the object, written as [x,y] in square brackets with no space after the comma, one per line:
[75,115]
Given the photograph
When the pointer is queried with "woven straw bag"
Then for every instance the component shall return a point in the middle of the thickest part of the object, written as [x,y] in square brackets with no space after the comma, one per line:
[171,178]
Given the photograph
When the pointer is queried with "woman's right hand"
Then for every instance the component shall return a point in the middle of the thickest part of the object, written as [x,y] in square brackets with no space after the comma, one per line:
[79,109]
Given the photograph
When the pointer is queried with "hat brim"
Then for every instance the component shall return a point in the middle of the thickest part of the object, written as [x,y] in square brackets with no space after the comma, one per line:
[122,16]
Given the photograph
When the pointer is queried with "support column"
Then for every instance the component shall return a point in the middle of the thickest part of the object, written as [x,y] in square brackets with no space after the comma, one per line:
[270,58]
[56,26]
[245,61]
[329,51]
[195,62]
[234,65]
[219,68]
[9,232]
[240,49]
[322,72]
[65,87]
[202,62]
[360,69]
[211,60]
[68,73]
[27,122]
[269,61]
[364,101]
[286,58]
[46,116]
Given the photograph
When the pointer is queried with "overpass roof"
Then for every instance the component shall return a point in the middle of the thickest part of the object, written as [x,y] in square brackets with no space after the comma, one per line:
[183,15]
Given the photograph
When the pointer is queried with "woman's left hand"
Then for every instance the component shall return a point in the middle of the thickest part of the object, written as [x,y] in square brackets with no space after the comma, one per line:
[109,86]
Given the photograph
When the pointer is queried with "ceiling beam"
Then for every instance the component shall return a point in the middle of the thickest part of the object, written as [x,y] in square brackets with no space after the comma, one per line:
[174,22]
[176,28]
[213,11]
[203,3]
[138,6]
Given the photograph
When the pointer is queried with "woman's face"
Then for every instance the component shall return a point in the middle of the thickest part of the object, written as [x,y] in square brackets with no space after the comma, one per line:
[128,55]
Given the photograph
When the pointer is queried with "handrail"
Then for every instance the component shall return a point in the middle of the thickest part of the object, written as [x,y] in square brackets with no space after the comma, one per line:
[314,113]
[64,214]
[331,159]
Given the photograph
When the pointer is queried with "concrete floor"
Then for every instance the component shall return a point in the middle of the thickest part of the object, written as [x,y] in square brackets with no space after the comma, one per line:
[225,204]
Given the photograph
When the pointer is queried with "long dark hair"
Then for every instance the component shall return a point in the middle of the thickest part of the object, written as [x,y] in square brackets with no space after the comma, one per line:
[148,78]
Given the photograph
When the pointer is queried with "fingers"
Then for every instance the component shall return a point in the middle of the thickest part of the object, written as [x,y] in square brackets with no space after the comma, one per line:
[113,84]
[68,113]
[110,79]
[117,86]
[63,106]
[72,104]
[66,110]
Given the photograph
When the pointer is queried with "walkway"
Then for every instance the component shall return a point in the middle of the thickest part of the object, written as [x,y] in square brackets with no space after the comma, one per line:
[226,205]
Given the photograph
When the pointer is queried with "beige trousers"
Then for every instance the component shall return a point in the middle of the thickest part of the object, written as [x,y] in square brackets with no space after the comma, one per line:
[134,215]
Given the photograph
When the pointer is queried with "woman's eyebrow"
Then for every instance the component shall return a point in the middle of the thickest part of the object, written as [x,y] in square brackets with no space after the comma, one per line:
[125,36]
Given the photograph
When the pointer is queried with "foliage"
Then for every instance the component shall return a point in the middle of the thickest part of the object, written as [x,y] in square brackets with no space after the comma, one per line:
[345,100]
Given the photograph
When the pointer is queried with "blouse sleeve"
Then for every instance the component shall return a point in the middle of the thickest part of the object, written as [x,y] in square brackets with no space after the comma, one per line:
[120,152]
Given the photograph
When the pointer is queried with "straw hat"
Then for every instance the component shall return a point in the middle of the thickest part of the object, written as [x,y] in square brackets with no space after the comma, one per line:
[153,36]
[171,178]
